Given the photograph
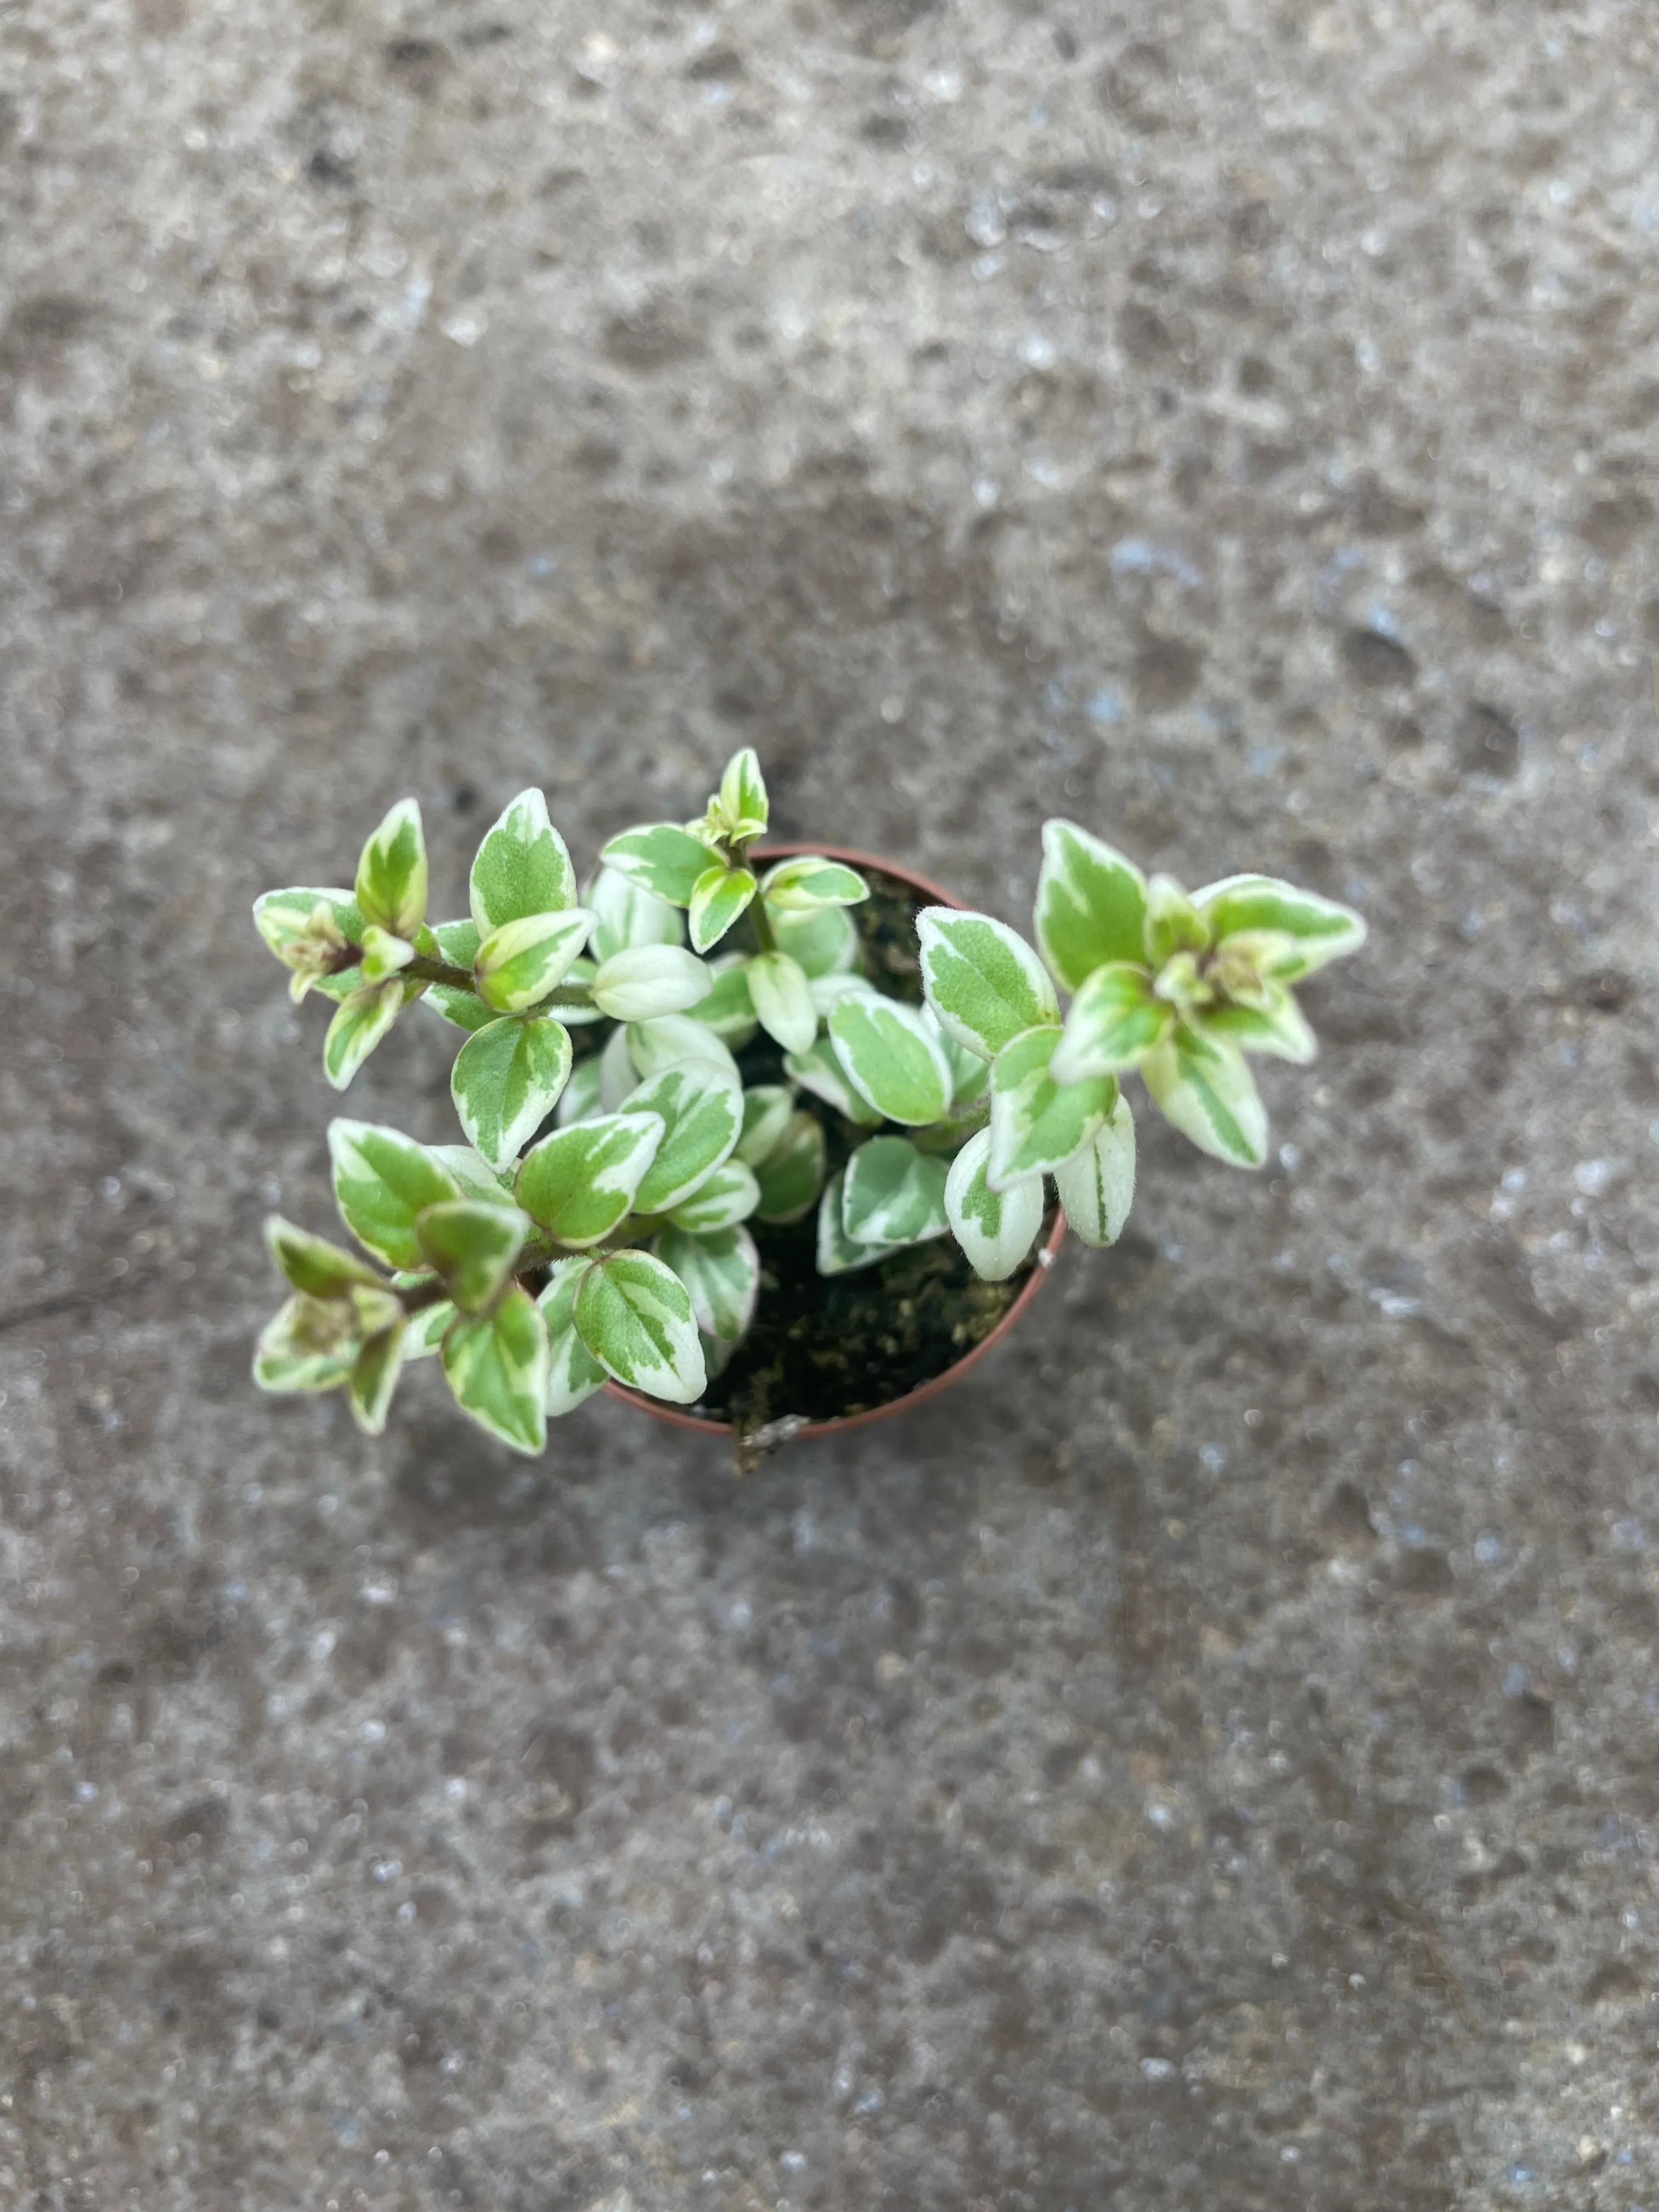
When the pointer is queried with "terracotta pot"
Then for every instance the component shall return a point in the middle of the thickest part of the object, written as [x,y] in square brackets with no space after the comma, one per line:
[934,896]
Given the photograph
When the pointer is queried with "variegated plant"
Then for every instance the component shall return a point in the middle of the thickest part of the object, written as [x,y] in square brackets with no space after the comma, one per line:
[597,1221]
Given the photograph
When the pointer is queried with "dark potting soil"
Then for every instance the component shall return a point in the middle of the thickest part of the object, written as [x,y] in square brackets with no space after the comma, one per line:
[821,1347]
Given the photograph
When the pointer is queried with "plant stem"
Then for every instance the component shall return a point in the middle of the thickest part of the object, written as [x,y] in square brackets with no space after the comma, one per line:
[764,941]
[425,970]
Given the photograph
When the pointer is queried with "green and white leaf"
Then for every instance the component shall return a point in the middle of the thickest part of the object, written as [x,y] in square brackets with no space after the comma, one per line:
[1036,1124]
[1115,1021]
[457,943]
[427,1329]
[766,1111]
[619,1069]
[981,978]
[382,1181]
[496,1364]
[782,1003]
[721,1270]
[1091,904]
[309,1344]
[970,1076]
[1279,1029]
[791,1174]
[660,857]
[311,1264]
[893,1059]
[996,1228]
[391,874]
[837,1253]
[743,800]
[507,1080]
[827,992]
[384,955]
[718,897]
[728,1010]
[721,1200]
[573,1375]
[580,1183]
[1203,1085]
[893,1195]
[573,1010]
[522,868]
[1322,929]
[649,980]
[478,1181]
[472,1248]
[287,918]
[580,1100]
[819,1070]
[653,1045]
[821,940]
[808,881]
[1097,1186]
[359,1023]
[626,916]
[635,1317]
[1173,923]
[518,964]
[375,1375]
[701,1107]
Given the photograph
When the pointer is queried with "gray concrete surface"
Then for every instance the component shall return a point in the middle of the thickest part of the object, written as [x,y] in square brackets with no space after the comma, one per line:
[1212,1759]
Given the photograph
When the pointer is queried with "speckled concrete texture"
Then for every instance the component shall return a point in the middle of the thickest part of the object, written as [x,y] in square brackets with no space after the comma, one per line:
[1211,1759]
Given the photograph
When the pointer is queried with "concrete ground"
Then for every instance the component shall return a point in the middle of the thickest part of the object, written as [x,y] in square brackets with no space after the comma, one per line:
[1211,1758]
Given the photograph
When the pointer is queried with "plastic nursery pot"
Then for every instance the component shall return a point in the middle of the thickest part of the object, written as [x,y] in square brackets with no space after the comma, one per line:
[787,1429]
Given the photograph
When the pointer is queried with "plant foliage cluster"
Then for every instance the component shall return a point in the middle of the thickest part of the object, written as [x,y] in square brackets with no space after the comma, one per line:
[595,1223]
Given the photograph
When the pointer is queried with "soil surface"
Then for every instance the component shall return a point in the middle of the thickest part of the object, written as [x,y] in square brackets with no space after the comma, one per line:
[1212,1756]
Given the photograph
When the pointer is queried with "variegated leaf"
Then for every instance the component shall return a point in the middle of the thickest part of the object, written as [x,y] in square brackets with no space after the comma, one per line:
[893,1195]
[699,1104]
[359,1024]
[995,1229]
[1091,904]
[820,1070]
[580,1183]
[573,1375]
[391,873]
[625,916]
[1097,1186]
[649,980]
[507,1080]
[791,1174]
[721,1270]
[522,868]
[496,1364]
[718,897]
[777,988]
[893,1059]
[766,1111]
[721,1200]
[1203,1085]
[1115,1021]
[471,1247]
[382,1180]
[982,980]
[837,1253]
[635,1317]
[1321,929]
[519,963]
[660,857]
[1035,1123]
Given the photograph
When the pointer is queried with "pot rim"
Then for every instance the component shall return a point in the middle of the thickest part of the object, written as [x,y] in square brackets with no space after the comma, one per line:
[680,1420]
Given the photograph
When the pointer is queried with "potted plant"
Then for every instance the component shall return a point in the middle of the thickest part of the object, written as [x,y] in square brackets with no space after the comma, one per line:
[794,1173]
